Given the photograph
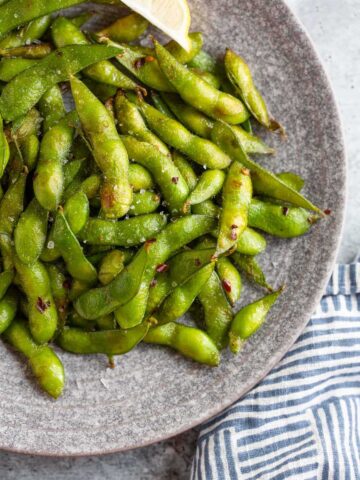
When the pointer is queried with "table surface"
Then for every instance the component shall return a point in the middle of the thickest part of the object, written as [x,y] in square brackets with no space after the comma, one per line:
[333,26]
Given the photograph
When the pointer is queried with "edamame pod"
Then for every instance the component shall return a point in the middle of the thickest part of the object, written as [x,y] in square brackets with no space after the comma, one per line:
[35,51]
[6,279]
[240,76]
[197,92]
[8,308]
[52,107]
[292,180]
[190,342]
[160,287]
[111,265]
[280,221]
[144,203]
[109,342]
[44,363]
[49,176]
[182,297]
[10,67]
[4,149]
[131,122]
[35,282]
[108,150]
[140,178]
[60,289]
[249,319]
[185,169]
[34,30]
[217,311]
[264,182]
[26,89]
[64,33]
[77,264]
[230,279]
[248,265]
[126,29]
[209,184]
[30,233]
[236,198]
[167,176]
[173,133]
[125,233]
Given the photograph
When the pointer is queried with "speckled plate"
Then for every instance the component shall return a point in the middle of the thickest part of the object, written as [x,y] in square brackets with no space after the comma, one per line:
[154,393]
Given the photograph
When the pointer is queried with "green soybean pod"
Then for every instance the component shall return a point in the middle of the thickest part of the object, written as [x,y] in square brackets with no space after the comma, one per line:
[212,79]
[107,322]
[249,319]
[236,198]
[190,342]
[204,61]
[173,133]
[144,203]
[102,91]
[280,221]
[8,309]
[292,180]
[78,288]
[126,29]
[125,233]
[6,279]
[52,107]
[230,279]
[172,238]
[108,342]
[35,282]
[157,101]
[35,51]
[197,92]
[248,265]
[264,182]
[185,169]
[217,311]
[140,178]
[34,30]
[44,363]
[77,211]
[72,170]
[178,302]
[240,76]
[49,176]
[209,184]
[131,122]
[30,148]
[10,67]
[25,90]
[250,242]
[30,233]
[167,176]
[160,287]
[182,55]
[76,263]
[11,207]
[207,208]
[108,150]
[4,149]
[110,266]
[64,33]
[81,19]
[60,290]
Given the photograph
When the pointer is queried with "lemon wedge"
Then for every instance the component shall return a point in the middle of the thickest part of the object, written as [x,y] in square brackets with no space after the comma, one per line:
[170,16]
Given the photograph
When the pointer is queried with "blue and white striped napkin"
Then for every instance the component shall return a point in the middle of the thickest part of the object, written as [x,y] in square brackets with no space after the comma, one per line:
[302,422]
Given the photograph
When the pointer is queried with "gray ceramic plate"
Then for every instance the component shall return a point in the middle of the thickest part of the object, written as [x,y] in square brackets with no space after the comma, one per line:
[153,393]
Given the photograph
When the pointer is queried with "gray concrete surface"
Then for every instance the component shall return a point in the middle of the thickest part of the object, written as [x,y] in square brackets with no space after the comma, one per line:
[333,25]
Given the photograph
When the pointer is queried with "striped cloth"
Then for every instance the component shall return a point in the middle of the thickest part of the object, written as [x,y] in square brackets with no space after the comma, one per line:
[302,422]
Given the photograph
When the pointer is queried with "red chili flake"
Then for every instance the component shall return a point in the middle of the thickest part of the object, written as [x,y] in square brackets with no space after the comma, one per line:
[226,285]
[233,234]
[149,58]
[153,282]
[245,171]
[140,62]
[327,211]
[162,267]
[197,262]
[175,180]
[285,211]
[67,284]
[41,305]
[148,243]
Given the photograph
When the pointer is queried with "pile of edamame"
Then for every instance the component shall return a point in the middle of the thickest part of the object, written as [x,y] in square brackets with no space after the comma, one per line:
[141,203]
